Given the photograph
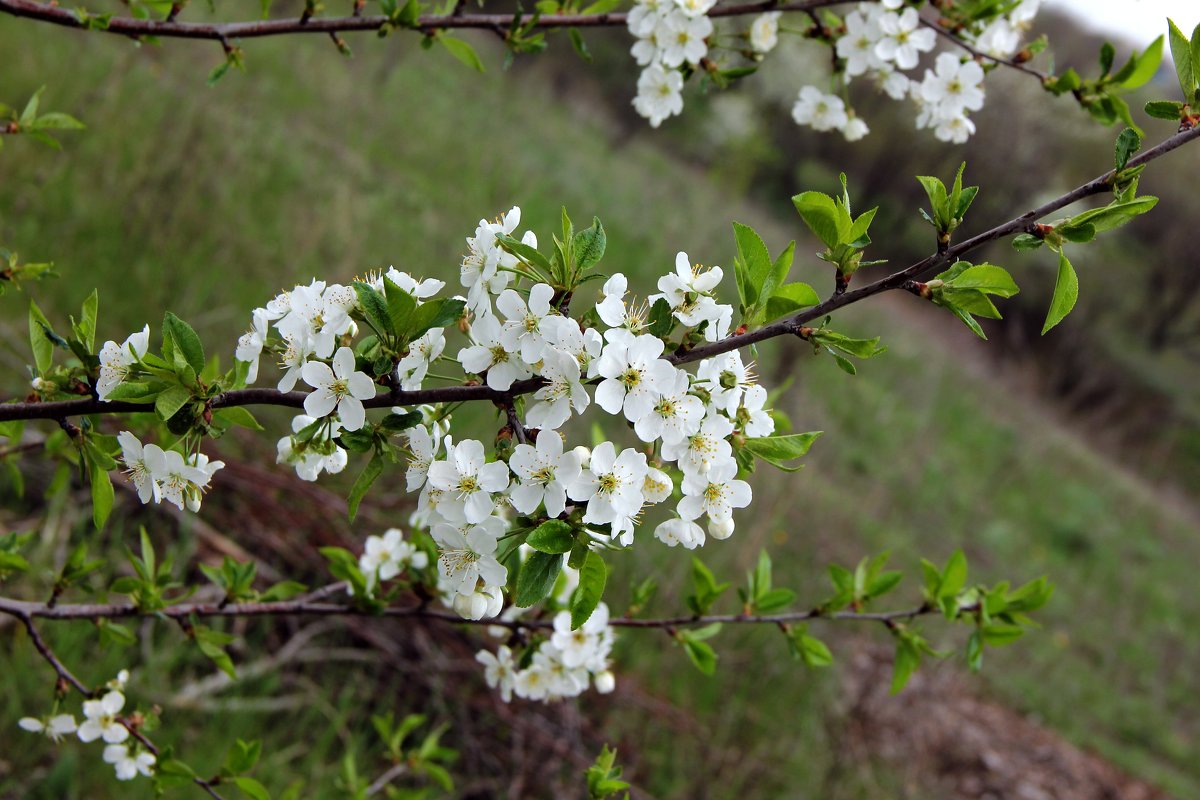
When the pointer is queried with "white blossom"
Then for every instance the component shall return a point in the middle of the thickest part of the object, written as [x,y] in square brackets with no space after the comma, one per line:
[422,351]
[468,481]
[715,493]
[129,765]
[764,32]
[523,329]
[680,532]
[499,670]
[544,473]
[903,39]
[54,728]
[468,555]
[385,557]
[563,391]
[318,454]
[117,360]
[489,355]
[250,344]
[340,389]
[101,719]
[675,414]
[133,455]
[820,111]
[633,373]
[612,484]
[659,94]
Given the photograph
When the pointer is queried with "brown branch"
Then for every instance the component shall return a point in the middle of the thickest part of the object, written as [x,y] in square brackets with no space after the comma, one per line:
[979,54]
[128,26]
[786,327]
[67,678]
[312,605]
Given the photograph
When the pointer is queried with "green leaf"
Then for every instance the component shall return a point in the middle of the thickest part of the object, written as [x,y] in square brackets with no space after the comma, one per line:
[462,51]
[908,658]
[1115,214]
[251,788]
[553,536]
[1027,241]
[537,577]
[170,400]
[579,44]
[363,482]
[777,450]
[820,214]
[1066,292]
[811,650]
[523,251]
[1185,68]
[242,756]
[185,341]
[56,120]
[589,245]
[102,495]
[592,577]
[29,114]
[434,314]
[1138,71]
[212,644]
[757,260]
[237,415]
[789,298]
[660,320]
[701,653]
[400,308]
[376,309]
[43,347]
[986,278]
[87,321]
[1165,109]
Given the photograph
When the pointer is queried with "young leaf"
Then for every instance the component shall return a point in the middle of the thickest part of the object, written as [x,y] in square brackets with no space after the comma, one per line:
[777,450]
[592,577]
[589,245]
[185,341]
[537,577]
[1181,53]
[39,340]
[462,51]
[1066,292]
[363,482]
[553,536]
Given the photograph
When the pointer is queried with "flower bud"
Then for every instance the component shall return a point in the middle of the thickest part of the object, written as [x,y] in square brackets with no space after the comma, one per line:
[605,682]
[720,528]
[585,456]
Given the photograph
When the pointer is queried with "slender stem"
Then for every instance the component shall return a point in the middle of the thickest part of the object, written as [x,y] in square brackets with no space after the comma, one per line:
[59,410]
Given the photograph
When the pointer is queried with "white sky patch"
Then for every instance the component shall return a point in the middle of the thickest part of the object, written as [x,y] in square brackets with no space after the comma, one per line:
[1138,21]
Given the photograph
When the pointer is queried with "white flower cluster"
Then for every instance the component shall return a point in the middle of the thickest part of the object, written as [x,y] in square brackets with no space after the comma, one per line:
[882,40]
[467,498]
[670,34]
[562,666]
[116,360]
[159,474]
[385,557]
[101,721]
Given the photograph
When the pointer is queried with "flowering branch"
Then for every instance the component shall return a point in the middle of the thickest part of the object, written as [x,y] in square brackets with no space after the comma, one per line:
[311,605]
[792,326]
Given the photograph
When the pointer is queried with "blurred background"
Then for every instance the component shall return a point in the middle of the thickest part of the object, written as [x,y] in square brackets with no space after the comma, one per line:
[1076,455]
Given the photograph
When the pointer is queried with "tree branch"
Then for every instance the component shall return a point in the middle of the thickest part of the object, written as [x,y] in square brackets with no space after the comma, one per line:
[127,26]
[312,605]
[788,327]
